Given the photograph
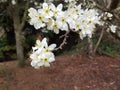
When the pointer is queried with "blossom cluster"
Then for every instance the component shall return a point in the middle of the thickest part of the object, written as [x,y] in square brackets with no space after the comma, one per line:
[55,18]
[73,18]
[111,27]
[42,54]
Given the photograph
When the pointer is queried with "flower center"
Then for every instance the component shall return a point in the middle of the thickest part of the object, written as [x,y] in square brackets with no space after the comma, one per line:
[77,25]
[47,11]
[63,20]
[40,18]
[45,60]
[55,26]
[89,22]
[47,50]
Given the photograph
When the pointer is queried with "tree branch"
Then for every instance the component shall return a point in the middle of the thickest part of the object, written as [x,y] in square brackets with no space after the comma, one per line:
[102,8]
[25,14]
[107,10]
[99,40]
[64,41]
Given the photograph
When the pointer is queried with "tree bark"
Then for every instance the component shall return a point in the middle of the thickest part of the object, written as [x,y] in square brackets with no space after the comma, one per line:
[90,47]
[19,37]
[19,47]
[14,12]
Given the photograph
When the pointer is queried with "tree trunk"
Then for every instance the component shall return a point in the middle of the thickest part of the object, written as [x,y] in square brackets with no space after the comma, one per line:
[90,48]
[19,47]
[19,41]
[18,23]
[18,36]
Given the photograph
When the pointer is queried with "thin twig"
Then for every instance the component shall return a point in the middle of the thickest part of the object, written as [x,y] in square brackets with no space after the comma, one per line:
[99,40]
[107,10]
[116,16]
[64,41]
[101,7]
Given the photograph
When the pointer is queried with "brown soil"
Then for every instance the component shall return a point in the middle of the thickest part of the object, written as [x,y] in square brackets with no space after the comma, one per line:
[68,72]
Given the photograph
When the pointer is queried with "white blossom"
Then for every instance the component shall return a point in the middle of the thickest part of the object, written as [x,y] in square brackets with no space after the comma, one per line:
[55,27]
[13,2]
[108,15]
[42,54]
[56,19]
[113,28]
[46,11]
[57,11]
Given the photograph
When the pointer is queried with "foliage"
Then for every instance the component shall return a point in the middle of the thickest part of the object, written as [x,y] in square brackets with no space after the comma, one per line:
[2,44]
[5,48]
[110,46]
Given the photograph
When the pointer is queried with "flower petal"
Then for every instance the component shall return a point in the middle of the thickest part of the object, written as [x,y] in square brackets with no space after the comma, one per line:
[52,7]
[52,46]
[47,64]
[59,7]
[44,42]
[45,5]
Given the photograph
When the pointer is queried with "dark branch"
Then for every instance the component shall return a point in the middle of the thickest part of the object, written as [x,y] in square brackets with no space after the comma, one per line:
[99,40]
[25,14]
[64,41]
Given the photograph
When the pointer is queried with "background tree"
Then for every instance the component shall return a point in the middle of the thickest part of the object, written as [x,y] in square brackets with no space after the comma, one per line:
[17,12]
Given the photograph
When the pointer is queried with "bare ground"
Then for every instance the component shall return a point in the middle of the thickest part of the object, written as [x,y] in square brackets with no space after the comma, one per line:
[68,72]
